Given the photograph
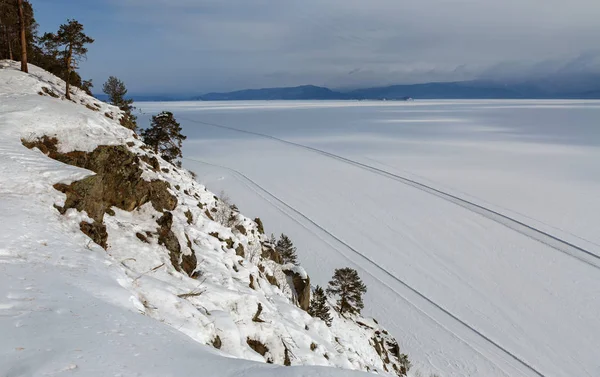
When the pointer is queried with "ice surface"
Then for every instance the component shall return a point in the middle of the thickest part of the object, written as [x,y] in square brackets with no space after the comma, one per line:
[466,294]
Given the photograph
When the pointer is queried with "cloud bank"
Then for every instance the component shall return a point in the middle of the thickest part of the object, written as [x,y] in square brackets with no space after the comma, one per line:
[206,45]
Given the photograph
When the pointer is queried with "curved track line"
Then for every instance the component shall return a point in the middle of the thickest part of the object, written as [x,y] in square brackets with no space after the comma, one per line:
[547,239]
[464,195]
[382,269]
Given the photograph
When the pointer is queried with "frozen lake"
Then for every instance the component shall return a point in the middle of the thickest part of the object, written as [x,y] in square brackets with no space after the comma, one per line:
[425,198]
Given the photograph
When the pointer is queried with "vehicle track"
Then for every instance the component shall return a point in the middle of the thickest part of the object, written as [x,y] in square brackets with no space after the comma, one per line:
[545,238]
[252,184]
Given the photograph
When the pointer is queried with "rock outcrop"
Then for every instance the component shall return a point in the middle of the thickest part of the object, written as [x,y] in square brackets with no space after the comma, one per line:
[301,284]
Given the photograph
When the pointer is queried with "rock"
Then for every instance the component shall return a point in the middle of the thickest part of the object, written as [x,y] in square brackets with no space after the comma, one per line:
[239,250]
[167,238]
[259,225]
[118,181]
[216,342]
[152,161]
[189,263]
[96,231]
[141,237]
[302,288]
[257,346]
[270,253]
[189,217]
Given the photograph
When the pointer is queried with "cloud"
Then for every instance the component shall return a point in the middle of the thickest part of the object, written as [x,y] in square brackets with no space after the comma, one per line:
[204,45]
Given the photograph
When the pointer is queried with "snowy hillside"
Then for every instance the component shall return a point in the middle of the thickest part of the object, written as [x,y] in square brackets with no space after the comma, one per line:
[112,263]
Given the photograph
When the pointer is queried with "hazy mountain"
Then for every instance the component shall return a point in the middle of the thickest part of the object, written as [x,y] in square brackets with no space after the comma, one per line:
[440,90]
[305,92]
[587,87]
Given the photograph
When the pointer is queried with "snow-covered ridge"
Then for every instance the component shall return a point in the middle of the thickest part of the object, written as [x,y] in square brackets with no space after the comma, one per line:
[221,286]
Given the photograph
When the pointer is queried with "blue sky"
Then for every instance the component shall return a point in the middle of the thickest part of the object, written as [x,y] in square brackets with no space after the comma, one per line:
[196,46]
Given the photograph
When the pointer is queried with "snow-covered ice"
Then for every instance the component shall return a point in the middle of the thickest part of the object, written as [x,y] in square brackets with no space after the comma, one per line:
[508,285]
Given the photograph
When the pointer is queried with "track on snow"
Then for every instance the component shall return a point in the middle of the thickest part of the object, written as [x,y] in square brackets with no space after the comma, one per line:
[252,183]
[536,234]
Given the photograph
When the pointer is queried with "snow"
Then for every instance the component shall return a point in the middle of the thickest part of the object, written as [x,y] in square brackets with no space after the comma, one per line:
[67,306]
[507,290]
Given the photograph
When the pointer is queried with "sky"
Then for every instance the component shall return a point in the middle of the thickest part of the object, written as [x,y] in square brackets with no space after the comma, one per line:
[198,46]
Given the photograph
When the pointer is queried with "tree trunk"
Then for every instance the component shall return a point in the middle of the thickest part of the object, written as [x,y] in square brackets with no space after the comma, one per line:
[8,41]
[23,39]
[68,78]
[4,27]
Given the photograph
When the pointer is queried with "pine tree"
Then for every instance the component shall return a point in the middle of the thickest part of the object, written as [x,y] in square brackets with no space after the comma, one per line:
[318,306]
[86,86]
[37,50]
[69,44]
[16,16]
[286,249]
[272,240]
[8,22]
[347,285]
[116,91]
[164,136]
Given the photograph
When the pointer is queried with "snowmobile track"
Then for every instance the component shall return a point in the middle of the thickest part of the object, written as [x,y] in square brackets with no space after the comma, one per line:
[375,264]
[538,235]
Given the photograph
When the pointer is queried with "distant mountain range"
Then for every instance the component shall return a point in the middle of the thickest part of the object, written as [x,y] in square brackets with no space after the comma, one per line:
[395,92]
[478,89]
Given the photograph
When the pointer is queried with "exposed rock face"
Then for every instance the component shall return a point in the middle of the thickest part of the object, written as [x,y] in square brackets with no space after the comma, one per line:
[259,223]
[96,231]
[118,182]
[268,252]
[302,288]
[239,251]
[166,237]
[152,161]
[257,346]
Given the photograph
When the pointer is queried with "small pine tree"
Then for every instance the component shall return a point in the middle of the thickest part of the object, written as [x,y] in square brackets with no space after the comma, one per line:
[318,306]
[347,285]
[69,46]
[164,136]
[286,249]
[116,91]
[86,86]
[272,240]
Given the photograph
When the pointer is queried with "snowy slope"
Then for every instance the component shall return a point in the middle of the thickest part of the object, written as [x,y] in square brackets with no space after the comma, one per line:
[140,307]
[471,294]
